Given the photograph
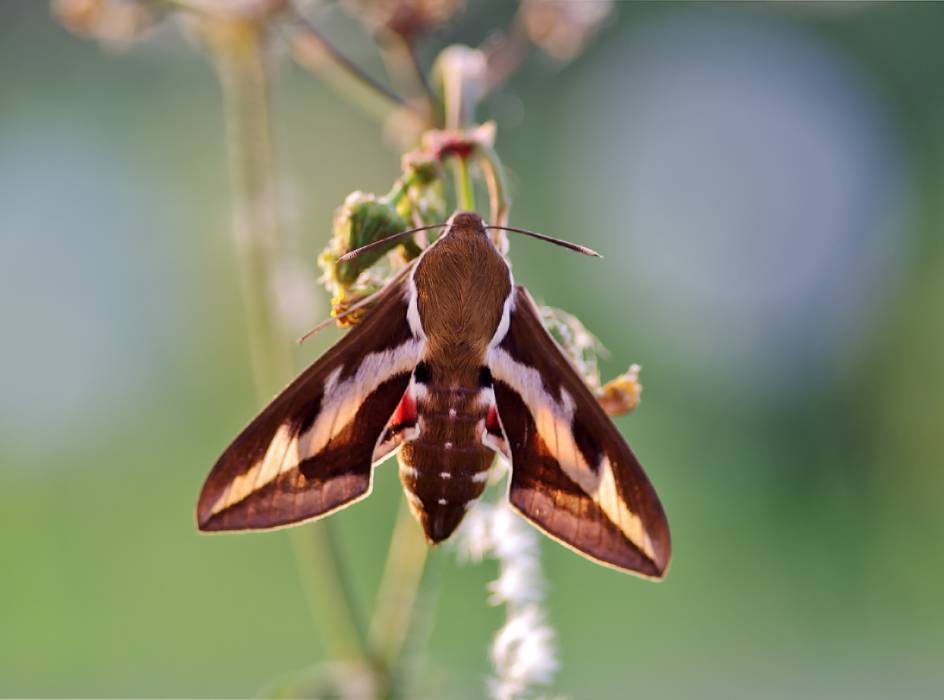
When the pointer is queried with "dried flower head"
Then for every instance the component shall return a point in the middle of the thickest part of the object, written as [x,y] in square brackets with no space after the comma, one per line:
[110,21]
[562,28]
[621,395]
[234,9]
[408,18]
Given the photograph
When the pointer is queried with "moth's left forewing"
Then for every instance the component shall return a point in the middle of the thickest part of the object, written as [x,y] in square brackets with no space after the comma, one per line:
[311,450]
[573,475]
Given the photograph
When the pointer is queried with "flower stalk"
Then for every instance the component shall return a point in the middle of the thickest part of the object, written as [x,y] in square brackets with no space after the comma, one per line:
[313,50]
[395,614]
[238,48]
[465,192]
[495,180]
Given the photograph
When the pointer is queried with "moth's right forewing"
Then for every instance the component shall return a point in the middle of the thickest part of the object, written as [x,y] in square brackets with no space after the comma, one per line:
[573,475]
[310,451]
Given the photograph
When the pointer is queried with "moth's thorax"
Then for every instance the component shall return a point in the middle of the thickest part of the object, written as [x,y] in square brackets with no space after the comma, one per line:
[462,283]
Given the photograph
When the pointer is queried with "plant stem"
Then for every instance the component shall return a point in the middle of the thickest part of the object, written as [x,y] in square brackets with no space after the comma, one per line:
[494,174]
[396,597]
[238,49]
[313,50]
[465,192]
[328,591]
[399,55]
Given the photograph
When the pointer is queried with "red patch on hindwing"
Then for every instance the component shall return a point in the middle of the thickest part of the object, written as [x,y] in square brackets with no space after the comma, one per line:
[405,414]
[492,423]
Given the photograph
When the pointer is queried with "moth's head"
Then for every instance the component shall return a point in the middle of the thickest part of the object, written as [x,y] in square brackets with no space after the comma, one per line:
[466,222]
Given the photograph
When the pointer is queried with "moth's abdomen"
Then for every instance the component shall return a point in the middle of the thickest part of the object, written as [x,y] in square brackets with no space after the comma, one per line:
[445,468]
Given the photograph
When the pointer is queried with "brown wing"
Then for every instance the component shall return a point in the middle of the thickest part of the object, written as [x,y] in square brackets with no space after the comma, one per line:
[572,474]
[310,451]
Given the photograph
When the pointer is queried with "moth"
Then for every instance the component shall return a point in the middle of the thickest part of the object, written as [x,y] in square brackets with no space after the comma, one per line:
[449,366]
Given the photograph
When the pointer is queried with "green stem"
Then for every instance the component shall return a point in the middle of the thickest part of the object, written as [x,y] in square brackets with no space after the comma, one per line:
[328,591]
[238,52]
[396,597]
[399,54]
[238,49]
[496,182]
[405,604]
[313,50]
[465,192]
[400,188]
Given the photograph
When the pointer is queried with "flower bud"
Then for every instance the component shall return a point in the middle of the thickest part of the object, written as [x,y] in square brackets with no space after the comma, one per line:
[362,219]
[460,77]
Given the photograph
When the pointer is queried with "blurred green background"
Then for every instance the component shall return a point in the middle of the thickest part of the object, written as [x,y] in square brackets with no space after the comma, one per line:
[766,184]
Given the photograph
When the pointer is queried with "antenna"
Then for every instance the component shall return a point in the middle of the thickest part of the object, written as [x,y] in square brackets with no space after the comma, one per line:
[350,255]
[550,239]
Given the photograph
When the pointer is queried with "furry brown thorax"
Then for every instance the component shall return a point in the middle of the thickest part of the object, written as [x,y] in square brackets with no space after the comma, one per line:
[462,283]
